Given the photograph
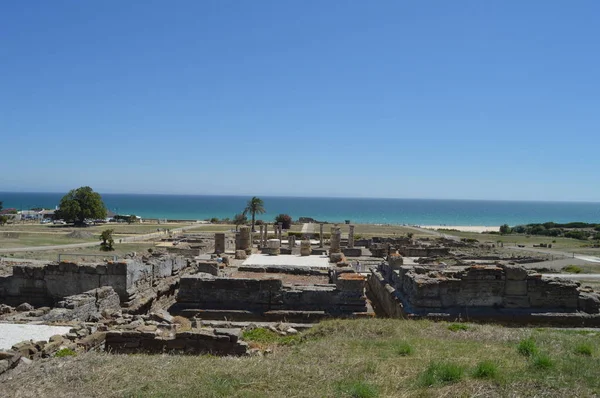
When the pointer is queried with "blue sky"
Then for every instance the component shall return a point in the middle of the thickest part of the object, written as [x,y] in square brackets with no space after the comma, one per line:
[438,99]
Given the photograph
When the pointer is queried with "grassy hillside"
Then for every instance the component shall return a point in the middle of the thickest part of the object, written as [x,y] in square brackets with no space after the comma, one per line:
[361,358]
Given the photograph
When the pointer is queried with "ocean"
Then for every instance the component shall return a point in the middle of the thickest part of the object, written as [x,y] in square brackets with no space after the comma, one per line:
[358,210]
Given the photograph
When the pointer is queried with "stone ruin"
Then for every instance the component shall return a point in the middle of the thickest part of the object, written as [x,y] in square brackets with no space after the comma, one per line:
[266,297]
[494,293]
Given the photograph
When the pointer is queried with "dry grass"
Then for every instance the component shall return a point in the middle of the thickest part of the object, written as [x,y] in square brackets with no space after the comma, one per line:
[336,358]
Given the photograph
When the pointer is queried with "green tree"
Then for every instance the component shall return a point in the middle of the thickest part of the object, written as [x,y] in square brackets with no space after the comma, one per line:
[254,205]
[107,240]
[285,220]
[1,203]
[239,219]
[505,229]
[3,219]
[80,204]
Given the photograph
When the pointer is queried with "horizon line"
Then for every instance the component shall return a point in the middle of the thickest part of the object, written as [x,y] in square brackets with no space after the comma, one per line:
[311,197]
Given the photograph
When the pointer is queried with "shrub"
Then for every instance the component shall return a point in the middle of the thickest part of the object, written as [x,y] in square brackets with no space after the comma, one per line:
[542,361]
[527,347]
[583,349]
[573,269]
[214,220]
[402,348]
[441,373]
[455,327]
[285,220]
[65,352]
[358,389]
[486,370]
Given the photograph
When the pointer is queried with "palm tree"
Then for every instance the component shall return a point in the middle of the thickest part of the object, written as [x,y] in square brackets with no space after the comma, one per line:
[255,205]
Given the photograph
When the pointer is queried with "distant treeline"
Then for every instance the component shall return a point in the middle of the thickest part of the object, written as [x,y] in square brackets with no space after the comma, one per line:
[575,230]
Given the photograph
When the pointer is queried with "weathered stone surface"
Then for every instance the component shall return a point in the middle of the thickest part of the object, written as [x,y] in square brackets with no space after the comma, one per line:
[240,255]
[24,307]
[515,288]
[515,272]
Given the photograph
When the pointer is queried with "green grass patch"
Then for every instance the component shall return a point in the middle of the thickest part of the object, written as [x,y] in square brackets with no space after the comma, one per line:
[527,347]
[572,269]
[441,373]
[65,352]
[486,370]
[402,348]
[542,362]
[457,327]
[266,336]
[583,349]
[357,389]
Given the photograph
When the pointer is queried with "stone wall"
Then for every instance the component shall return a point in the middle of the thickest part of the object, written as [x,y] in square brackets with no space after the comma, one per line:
[423,251]
[48,284]
[203,291]
[209,341]
[85,306]
[424,289]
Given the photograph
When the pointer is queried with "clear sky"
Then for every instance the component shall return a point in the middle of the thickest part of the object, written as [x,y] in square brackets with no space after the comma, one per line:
[421,99]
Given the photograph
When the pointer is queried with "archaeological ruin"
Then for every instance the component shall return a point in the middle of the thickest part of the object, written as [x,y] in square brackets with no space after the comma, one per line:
[197,296]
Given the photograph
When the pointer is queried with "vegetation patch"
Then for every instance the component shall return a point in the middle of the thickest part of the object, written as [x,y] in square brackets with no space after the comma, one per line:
[441,373]
[572,269]
[542,362]
[486,370]
[583,349]
[457,327]
[527,347]
[65,352]
[357,389]
[402,348]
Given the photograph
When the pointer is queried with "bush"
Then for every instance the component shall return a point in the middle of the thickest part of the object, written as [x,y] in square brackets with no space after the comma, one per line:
[583,349]
[527,347]
[441,373]
[572,269]
[402,348]
[455,327]
[542,361]
[214,220]
[358,389]
[486,370]
[65,352]
[285,219]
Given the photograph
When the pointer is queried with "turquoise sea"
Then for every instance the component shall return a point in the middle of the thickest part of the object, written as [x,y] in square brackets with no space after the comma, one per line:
[363,210]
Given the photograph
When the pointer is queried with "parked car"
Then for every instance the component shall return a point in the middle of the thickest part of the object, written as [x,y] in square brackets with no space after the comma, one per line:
[46,221]
[59,222]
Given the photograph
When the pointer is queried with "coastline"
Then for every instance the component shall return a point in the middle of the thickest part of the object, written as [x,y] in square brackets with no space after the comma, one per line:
[463,228]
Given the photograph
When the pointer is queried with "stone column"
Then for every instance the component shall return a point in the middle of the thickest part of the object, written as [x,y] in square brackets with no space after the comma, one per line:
[321,235]
[336,238]
[305,248]
[351,237]
[219,242]
[261,236]
[292,241]
[280,228]
[273,247]
[243,239]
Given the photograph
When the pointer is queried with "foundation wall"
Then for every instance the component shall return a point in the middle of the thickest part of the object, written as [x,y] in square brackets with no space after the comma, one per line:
[48,284]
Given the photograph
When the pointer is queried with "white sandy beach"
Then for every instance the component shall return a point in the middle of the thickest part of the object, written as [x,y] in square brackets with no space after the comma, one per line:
[463,228]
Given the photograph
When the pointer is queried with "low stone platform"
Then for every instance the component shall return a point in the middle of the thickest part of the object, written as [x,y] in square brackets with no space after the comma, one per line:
[265,260]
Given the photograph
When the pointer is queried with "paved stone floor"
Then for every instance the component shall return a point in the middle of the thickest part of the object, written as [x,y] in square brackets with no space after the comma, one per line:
[12,333]
[262,260]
